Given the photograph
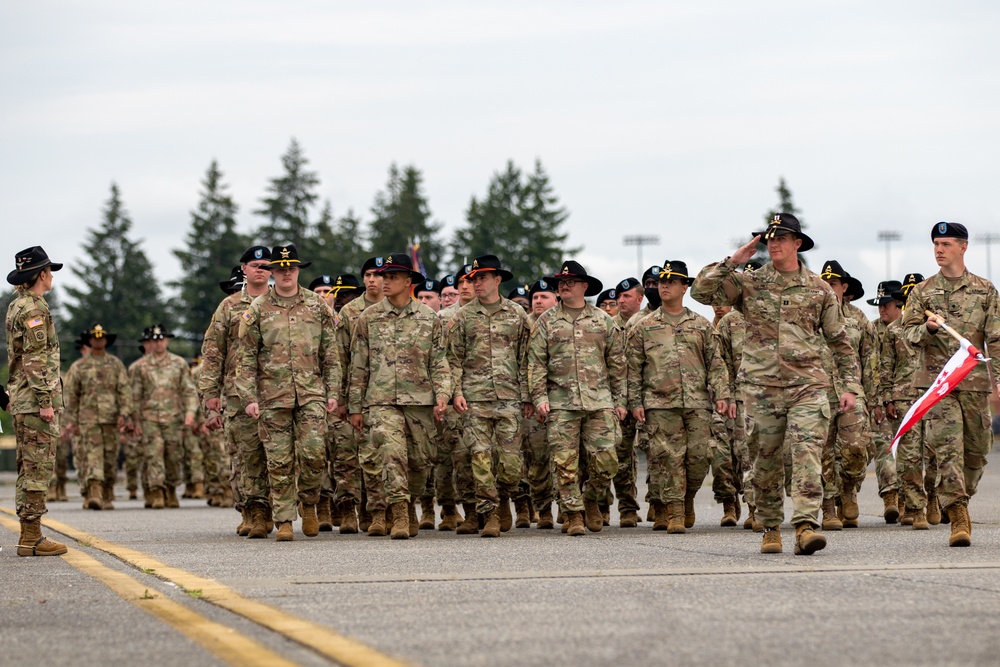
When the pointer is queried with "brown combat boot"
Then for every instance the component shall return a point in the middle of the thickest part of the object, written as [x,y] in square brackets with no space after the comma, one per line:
[849,503]
[470,525]
[506,518]
[675,518]
[907,518]
[772,541]
[364,518]
[227,497]
[605,514]
[890,507]
[33,543]
[920,521]
[336,514]
[426,514]
[324,514]
[310,521]
[257,530]
[628,519]
[199,491]
[492,527]
[171,497]
[400,521]
[411,515]
[449,518]
[156,500]
[933,509]
[245,522]
[650,513]
[268,517]
[285,532]
[807,540]
[107,496]
[52,495]
[831,519]
[523,509]
[961,526]
[660,517]
[595,522]
[751,515]
[574,523]
[728,513]
[689,516]
[61,491]
[377,526]
[94,493]
[545,517]
[348,519]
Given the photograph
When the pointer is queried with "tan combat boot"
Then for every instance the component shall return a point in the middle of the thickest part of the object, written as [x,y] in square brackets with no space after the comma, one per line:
[689,516]
[268,517]
[449,518]
[227,497]
[244,528]
[574,523]
[257,530]
[171,497]
[506,518]
[377,526]
[920,521]
[605,514]
[933,509]
[907,518]
[470,525]
[336,515]
[61,491]
[523,509]
[364,516]
[94,493]
[324,513]
[961,526]
[33,543]
[492,527]
[199,491]
[831,519]
[890,507]
[348,519]
[628,519]
[400,521]
[650,513]
[107,496]
[751,512]
[728,513]
[426,514]
[284,532]
[411,515]
[849,504]
[661,518]
[310,521]
[156,500]
[807,540]
[52,494]
[675,518]
[772,541]
[595,522]
[545,517]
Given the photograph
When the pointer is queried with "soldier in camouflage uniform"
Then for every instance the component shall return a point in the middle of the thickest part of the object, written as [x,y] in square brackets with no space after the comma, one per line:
[208,450]
[487,347]
[288,378]
[164,402]
[98,407]
[676,375]
[576,371]
[608,302]
[846,453]
[35,394]
[429,293]
[519,295]
[957,428]
[791,316]
[732,330]
[399,374]
[66,444]
[630,293]
[727,480]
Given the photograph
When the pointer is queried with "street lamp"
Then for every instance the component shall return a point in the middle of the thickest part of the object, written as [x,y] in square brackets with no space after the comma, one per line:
[638,241]
[888,235]
[988,239]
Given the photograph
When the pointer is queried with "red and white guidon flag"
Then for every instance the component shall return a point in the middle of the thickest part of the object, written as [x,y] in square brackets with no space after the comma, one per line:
[953,372]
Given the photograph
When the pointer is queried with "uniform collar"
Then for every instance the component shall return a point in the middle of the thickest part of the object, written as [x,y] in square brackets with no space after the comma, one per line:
[482,308]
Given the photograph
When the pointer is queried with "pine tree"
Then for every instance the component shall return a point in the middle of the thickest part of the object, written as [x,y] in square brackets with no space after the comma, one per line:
[213,247]
[337,246]
[118,287]
[289,200]
[401,216]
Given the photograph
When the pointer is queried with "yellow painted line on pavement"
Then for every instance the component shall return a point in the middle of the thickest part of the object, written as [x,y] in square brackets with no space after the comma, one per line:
[313,636]
[223,642]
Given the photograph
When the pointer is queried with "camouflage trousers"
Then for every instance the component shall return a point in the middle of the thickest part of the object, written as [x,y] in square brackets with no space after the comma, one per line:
[492,430]
[97,453]
[342,475]
[885,464]
[454,476]
[958,431]
[916,465]
[370,458]
[64,446]
[248,457]
[678,453]
[162,445]
[193,458]
[625,478]
[216,462]
[796,419]
[727,473]
[403,436]
[35,458]
[295,445]
[596,431]
[537,473]
[845,452]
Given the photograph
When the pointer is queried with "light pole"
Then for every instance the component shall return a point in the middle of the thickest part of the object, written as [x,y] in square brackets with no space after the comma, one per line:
[638,241]
[988,239]
[888,235]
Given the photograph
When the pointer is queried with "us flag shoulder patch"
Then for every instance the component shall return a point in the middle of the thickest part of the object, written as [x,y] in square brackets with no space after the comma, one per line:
[247,316]
[35,322]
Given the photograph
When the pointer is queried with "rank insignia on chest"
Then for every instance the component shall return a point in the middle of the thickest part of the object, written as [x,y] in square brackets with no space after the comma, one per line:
[785,302]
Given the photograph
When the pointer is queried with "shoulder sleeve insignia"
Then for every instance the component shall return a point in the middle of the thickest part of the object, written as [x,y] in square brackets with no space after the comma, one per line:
[247,316]
[35,322]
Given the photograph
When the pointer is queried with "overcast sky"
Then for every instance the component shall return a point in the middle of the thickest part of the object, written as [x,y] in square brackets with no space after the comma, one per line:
[675,119]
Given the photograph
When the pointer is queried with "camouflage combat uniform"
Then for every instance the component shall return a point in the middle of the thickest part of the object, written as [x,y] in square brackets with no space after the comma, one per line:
[209,458]
[882,434]
[453,478]
[625,479]
[290,367]
[536,454]
[790,319]
[732,330]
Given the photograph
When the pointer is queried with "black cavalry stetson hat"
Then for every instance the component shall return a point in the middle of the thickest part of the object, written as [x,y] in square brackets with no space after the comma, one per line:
[572,269]
[155,332]
[785,223]
[885,292]
[287,255]
[234,283]
[427,286]
[345,281]
[833,269]
[29,263]
[401,262]
[487,263]
[257,252]
[674,268]
[909,282]
[98,331]
[752,266]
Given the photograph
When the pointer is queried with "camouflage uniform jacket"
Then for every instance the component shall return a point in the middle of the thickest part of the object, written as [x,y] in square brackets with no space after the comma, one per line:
[898,363]
[969,306]
[487,352]
[789,322]
[675,365]
[162,389]
[220,350]
[861,334]
[635,319]
[398,357]
[98,390]
[732,330]
[577,365]
[288,355]
[32,356]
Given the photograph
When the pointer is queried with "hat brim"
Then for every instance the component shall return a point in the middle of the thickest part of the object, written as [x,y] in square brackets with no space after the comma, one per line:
[854,288]
[504,275]
[111,338]
[416,276]
[807,243]
[594,286]
[16,277]
[300,265]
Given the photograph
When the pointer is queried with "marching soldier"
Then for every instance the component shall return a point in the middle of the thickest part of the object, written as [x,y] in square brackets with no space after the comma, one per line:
[629,294]
[727,481]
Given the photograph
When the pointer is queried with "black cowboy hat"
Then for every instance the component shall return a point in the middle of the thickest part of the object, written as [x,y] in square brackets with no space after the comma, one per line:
[287,255]
[885,292]
[487,263]
[909,282]
[833,269]
[257,252]
[81,340]
[98,331]
[542,285]
[345,281]
[427,286]
[750,267]
[785,223]
[607,295]
[234,283]
[572,269]
[155,332]
[401,262]
[30,263]
[674,268]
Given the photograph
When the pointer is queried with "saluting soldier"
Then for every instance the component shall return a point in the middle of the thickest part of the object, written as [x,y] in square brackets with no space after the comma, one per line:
[958,430]
[35,394]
